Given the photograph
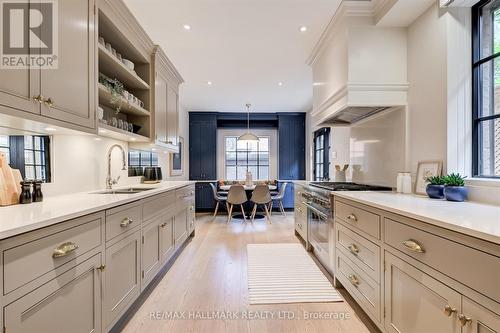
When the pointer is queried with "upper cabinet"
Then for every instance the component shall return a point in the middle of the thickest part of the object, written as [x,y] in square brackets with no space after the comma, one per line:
[64,95]
[166,97]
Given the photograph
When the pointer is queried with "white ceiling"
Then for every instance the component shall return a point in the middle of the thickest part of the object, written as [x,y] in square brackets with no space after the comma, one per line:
[244,47]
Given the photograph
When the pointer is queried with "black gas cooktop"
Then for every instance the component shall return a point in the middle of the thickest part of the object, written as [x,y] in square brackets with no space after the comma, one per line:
[339,186]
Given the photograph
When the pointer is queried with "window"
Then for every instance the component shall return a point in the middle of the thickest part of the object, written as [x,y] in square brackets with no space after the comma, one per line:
[244,156]
[30,154]
[486,89]
[138,159]
[321,154]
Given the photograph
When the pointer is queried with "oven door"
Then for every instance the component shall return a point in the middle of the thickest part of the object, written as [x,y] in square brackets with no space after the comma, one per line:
[319,228]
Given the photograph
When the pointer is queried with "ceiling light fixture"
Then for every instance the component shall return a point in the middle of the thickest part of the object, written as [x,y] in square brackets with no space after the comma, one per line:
[280,84]
[187,27]
[50,129]
[303,28]
[248,136]
[209,83]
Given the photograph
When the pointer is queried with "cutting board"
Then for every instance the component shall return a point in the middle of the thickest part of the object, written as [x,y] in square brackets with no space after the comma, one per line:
[9,183]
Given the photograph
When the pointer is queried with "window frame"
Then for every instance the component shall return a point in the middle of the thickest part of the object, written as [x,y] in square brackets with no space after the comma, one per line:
[325,133]
[141,165]
[258,165]
[477,80]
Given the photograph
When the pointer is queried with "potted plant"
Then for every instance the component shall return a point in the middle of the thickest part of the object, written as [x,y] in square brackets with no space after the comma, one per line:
[455,189]
[435,188]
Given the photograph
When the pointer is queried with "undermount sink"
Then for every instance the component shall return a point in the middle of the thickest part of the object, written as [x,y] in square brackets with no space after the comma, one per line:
[129,190]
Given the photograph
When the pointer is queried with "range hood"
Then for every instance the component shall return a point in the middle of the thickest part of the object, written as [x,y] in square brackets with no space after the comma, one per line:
[359,68]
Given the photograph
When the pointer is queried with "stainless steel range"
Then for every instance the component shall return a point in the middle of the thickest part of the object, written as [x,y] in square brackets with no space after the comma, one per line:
[321,235]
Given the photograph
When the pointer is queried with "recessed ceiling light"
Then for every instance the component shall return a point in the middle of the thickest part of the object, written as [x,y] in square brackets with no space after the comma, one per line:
[50,129]
[303,28]
[187,27]
[209,83]
[280,84]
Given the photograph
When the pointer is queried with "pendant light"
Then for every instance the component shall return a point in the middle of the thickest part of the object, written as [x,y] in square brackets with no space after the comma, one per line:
[248,136]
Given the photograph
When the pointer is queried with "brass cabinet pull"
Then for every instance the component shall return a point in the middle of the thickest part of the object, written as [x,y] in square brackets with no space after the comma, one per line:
[49,101]
[352,217]
[38,99]
[448,310]
[126,222]
[354,249]
[64,249]
[101,268]
[354,280]
[464,320]
[413,245]
[163,225]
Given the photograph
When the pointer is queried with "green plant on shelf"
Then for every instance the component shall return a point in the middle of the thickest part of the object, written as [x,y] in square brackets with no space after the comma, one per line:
[454,179]
[436,180]
[115,88]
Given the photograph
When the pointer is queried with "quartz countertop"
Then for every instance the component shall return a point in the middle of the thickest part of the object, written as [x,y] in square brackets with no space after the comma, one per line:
[470,218]
[18,219]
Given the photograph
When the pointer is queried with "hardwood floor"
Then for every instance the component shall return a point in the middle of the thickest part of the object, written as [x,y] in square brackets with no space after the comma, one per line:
[210,275]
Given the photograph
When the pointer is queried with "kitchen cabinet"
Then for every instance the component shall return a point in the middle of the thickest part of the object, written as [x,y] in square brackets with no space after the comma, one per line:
[167,81]
[181,223]
[416,302]
[150,250]
[167,245]
[69,303]
[478,319]
[65,95]
[122,282]
[204,197]
[202,146]
[300,214]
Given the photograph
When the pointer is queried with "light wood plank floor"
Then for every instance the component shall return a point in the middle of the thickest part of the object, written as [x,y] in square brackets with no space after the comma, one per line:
[210,275]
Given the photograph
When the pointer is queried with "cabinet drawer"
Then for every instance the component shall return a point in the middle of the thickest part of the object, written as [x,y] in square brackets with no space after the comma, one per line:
[358,218]
[185,192]
[26,262]
[473,268]
[157,204]
[122,219]
[361,251]
[361,287]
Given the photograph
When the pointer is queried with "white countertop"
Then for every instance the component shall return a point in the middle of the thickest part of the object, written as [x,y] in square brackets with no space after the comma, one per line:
[470,218]
[17,219]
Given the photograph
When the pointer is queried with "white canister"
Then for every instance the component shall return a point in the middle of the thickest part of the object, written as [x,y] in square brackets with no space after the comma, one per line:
[399,182]
[407,183]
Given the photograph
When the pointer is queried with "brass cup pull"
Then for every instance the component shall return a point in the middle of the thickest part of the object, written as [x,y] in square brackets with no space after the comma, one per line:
[448,310]
[126,222]
[464,320]
[413,245]
[163,225]
[49,101]
[354,280]
[354,249]
[352,217]
[64,249]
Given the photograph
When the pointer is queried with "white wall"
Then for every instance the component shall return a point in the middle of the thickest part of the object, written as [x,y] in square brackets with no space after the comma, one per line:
[273,153]
[427,96]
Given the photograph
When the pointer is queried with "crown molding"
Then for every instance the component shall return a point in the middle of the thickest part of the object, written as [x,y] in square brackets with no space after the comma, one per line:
[345,10]
[166,65]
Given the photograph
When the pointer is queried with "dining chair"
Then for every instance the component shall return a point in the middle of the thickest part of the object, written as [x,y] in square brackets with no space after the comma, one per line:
[261,196]
[217,197]
[236,196]
[279,198]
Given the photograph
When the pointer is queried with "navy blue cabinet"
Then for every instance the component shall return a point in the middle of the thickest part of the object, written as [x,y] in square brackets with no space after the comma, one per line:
[204,197]
[291,151]
[202,146]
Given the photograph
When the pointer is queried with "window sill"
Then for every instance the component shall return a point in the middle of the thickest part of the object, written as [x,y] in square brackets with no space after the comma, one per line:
[483,182]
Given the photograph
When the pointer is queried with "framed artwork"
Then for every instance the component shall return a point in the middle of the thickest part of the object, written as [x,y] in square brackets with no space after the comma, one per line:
[177,160]
[425,170]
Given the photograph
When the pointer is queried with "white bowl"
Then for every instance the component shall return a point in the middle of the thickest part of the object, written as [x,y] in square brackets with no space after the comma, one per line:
[129,64]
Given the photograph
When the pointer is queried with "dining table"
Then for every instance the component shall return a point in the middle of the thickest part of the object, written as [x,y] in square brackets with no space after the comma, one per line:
[224,190]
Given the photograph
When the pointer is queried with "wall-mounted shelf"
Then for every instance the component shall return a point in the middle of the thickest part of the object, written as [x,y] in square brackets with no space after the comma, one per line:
[119,134]
[126,107]
[113,67]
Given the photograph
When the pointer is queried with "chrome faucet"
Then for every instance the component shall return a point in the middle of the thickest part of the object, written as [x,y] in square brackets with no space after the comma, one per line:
[110,181]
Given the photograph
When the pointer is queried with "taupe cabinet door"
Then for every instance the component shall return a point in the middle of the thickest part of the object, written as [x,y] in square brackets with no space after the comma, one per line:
[150,250]
[172,114]
[121,276]
[181,226]
[481,320]
[415,302]
[167,238]
[161,108]
[69,303]
[71,87]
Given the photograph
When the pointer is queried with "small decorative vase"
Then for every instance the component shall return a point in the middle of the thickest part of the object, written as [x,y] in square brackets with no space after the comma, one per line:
[456,193]
[435,191]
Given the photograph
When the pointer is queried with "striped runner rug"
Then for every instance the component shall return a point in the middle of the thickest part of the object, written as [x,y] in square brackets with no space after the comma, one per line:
[285,273]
